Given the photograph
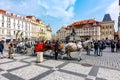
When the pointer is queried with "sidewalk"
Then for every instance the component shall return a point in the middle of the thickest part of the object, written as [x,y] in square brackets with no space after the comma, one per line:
[24,67]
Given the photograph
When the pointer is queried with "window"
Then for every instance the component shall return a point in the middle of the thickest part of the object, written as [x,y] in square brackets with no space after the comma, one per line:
[106,32]
[18,22]
[110,27]
[103,27]
[18,27]
[3,31]
[25,26]
[2,18]
[2,24]
[110,32]
[106,27]
[14,32]
[94,23]
[9,25]
[103,33]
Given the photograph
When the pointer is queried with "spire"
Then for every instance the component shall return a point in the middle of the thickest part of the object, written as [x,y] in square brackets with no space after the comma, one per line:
[107,18]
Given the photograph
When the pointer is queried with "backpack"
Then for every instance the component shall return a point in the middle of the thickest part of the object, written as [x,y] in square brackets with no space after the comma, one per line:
[119,44]
[100,46]
[104,46]
[1,48]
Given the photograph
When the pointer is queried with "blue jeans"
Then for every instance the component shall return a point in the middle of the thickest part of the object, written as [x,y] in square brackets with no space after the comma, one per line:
[96,52]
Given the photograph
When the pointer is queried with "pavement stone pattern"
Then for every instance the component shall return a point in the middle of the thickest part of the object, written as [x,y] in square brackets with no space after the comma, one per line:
[24,67]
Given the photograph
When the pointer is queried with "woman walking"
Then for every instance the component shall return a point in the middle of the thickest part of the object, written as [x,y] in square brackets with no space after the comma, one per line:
[11,51]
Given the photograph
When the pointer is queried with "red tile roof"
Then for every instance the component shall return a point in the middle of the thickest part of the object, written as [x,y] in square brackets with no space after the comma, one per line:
[83,22]
[37,20]
[2,11]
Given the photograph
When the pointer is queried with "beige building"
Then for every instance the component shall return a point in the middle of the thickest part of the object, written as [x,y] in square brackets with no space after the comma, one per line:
[39,29]
[34,27]
[107,27]
[48,32]
[63,33]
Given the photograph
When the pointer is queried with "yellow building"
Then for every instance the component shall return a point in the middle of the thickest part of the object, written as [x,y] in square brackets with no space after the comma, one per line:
[34,27]
[39,29]
[48,32]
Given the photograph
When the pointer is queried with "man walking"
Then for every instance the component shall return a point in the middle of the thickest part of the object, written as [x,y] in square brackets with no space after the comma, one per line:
[112,46]
[96,48]
[56,49]
[100,45]
[1,49]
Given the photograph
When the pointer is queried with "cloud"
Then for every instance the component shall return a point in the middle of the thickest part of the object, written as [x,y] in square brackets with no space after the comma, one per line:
[58,9]
[54,8]
[113,9]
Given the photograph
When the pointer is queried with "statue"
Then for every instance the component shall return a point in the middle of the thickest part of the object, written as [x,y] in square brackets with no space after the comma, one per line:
[73,32]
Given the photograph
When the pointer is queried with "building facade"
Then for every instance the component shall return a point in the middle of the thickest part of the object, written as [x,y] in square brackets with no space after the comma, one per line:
[48,32]
[16,27]
[85,29]
[91,28]
[63,32]
[13,26]
[39,29]
[107,27]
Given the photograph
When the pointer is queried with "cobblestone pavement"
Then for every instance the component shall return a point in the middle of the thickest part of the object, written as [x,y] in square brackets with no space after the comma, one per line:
[24,67]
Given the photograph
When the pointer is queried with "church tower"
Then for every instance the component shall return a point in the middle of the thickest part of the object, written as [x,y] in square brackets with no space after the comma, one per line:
[119,22]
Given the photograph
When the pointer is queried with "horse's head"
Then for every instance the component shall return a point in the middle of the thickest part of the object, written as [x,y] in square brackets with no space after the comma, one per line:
[79,44]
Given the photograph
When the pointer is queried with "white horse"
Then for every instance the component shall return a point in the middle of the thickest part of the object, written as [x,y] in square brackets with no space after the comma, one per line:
[75,47]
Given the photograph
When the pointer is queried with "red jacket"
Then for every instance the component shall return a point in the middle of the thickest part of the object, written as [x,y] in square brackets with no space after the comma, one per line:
[39,47]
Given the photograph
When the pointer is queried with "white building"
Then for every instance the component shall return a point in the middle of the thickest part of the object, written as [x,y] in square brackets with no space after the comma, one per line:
[13,26]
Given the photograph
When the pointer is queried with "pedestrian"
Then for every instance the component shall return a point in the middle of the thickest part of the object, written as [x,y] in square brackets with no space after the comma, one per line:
[88,48]
[1,49]
[118,46]
[11,51]
[96,48]
[56,49]
[112,46]
[100,46]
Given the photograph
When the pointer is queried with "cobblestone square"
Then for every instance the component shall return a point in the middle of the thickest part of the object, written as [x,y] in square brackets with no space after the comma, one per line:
[24,67]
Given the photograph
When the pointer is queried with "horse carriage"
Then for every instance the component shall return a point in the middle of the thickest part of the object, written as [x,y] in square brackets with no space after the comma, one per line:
[63,49]
[22,47]
[48,47]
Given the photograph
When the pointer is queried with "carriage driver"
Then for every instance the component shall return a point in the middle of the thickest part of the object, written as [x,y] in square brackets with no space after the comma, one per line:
[56,49]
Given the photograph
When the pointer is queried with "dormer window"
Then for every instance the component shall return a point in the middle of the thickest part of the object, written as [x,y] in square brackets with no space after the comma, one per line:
[94,23]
